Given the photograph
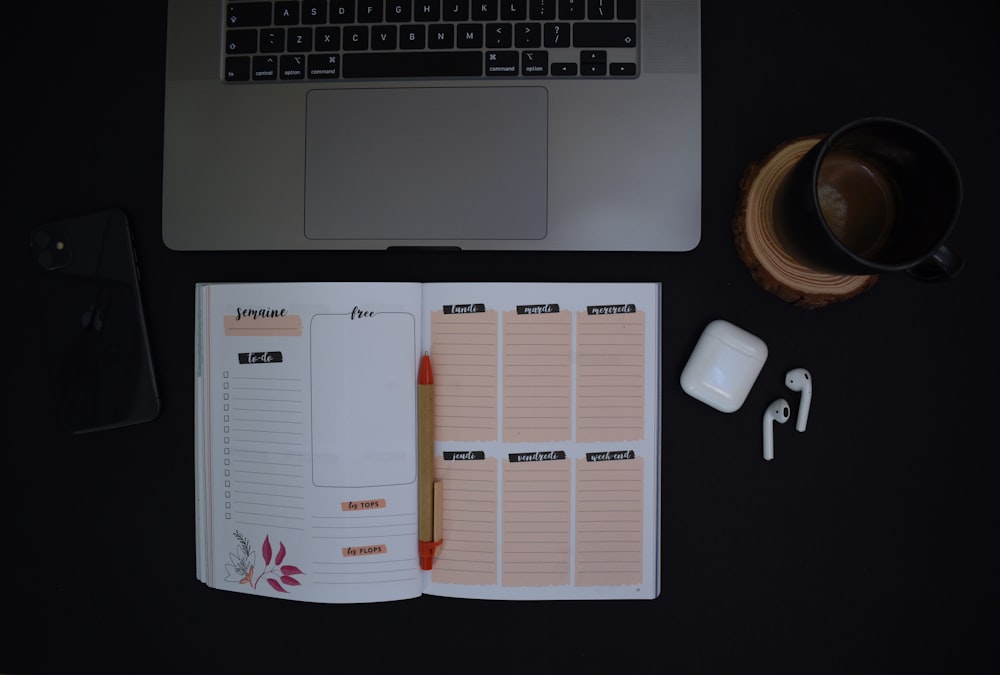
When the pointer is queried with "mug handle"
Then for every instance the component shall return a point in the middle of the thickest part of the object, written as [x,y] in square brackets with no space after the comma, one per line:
[942,265]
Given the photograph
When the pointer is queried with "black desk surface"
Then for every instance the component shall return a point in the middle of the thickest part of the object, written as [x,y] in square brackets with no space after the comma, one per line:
[868,545]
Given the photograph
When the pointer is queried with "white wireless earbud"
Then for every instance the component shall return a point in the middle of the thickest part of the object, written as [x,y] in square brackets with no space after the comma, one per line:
[799,379]
[776,412]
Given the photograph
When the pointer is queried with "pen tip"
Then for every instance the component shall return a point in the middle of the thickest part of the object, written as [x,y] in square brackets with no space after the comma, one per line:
[424,376]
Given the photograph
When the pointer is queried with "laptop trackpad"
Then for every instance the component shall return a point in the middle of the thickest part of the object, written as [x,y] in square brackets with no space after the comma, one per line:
[427,164]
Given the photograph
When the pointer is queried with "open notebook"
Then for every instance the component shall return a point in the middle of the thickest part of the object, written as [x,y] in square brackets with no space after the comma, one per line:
[546,439]
[476,124]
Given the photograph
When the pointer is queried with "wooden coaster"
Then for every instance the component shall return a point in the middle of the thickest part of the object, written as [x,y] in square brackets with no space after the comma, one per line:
[758,247]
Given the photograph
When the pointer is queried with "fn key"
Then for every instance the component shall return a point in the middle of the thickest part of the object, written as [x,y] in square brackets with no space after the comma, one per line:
[237,68]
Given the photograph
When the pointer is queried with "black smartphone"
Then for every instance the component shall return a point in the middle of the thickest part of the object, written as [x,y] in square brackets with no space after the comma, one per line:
[88,288]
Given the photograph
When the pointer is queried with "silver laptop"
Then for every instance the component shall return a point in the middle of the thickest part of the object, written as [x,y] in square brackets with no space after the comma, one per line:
[476,124]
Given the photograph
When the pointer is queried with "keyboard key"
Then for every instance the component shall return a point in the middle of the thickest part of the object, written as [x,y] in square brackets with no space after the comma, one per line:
[370,11]
[484,10]
[593,63]
[622,69]
[603,34]
[556,35]
[528,35]
[248,14]
[470,36]
[600,10]
[292,67]
[412,37]
[626,10]
[237,68]
[241,41]
[499,35]
[534,63]
[513,10]
[384,38]
[272,40]
[542,10]
[323,66]
[286,13]
[300,39]
[328,39]
[397,11]
[501,63]
[456,10]
[265,67]
[427,10]
[571,10]
[441,36]
[341,11]
[374,65]
[355,38]
[313,11]
[564,69]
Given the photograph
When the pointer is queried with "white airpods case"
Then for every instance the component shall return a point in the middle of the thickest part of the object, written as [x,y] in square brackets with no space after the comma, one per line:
[724,366]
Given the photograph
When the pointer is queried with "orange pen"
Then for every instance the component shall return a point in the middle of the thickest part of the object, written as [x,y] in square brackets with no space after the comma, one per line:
[428,493]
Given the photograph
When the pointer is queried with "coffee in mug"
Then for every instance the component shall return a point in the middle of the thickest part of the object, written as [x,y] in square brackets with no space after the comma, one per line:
[877,195]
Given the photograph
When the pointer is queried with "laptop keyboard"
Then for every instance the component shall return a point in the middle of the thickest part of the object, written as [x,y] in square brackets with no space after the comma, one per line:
[295,40]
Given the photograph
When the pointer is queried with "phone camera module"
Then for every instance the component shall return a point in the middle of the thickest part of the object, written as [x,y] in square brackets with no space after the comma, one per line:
[51,252]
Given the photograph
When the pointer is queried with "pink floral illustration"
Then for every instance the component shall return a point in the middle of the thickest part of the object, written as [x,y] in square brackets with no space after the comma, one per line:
[241,567]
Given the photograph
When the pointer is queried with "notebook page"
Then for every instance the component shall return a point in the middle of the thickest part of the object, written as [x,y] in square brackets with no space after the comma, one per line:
[555,494]
[308,459]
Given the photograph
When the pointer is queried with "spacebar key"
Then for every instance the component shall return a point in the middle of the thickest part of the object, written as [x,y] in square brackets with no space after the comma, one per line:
[413,64]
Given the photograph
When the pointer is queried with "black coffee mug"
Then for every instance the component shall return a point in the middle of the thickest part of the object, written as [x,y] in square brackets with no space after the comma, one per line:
[877,195]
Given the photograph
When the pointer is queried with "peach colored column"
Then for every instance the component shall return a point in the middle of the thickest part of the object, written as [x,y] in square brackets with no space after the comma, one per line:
[469,552]
[610,377]
[537,377]
[609,519]
[536,520]
[465,355]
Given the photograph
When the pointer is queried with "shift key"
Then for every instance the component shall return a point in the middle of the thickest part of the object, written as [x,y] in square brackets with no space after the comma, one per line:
[603,34]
